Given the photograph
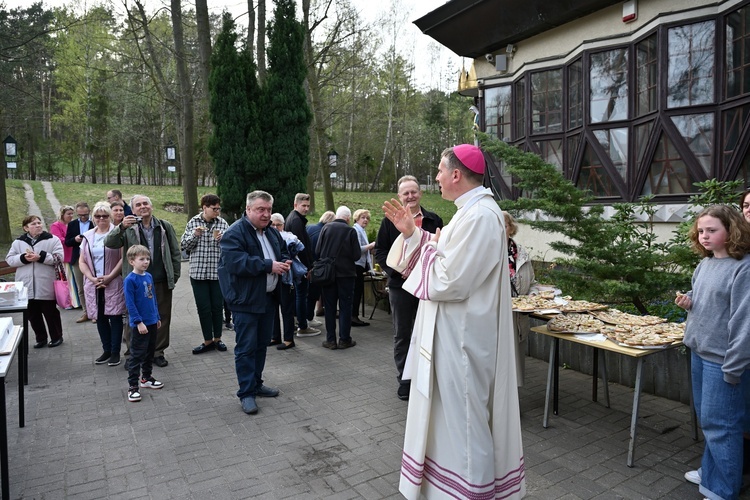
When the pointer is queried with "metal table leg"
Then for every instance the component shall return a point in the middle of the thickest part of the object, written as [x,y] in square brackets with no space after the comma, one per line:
[25,347]
[550,370]
[634,417]
[604,375]
[556,381]
[4,443]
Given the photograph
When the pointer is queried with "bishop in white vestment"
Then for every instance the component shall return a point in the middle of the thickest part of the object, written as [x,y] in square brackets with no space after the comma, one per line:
[463,429]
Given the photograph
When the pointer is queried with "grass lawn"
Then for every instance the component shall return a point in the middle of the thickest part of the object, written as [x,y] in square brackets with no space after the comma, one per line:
[164,197]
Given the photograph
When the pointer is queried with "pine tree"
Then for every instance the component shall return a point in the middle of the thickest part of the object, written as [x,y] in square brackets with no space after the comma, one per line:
[286,115]
[234,144]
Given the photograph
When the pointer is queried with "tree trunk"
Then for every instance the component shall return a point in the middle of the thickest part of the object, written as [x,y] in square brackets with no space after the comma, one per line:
[251,26]
[185,113]
[261,52]
[317,128]
[5,236]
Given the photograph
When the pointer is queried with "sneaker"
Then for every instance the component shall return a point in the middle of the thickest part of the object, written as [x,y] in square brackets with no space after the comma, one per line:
[266,392]
[114,360]
[229,326]
[314,323]
[693,476]
[133,394]
[308,332]
[101,359]
[330,345]
[151,383]
[345,344]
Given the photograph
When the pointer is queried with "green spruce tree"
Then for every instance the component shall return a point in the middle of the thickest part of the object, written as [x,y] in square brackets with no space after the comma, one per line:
[286,114]
[235,145]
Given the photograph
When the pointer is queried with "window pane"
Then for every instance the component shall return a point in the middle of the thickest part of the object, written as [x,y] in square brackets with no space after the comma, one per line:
[520,107]
[646,71]
[551,152]
[609,86]
[738,52]
[698,132]
[594,177]
[546,101]
[575,94]
[642,134]
[497,111]
[690,77]
[572,149]
[732,122]
[668,173]
[615,143]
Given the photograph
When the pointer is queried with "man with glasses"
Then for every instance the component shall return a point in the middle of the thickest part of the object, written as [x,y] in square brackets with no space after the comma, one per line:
[253,258]
[201,241]
[116,195]
[73,238]
[159,237]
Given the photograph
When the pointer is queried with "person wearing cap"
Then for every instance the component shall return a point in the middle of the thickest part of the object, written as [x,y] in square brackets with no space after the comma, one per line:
[403,304]
[463,428]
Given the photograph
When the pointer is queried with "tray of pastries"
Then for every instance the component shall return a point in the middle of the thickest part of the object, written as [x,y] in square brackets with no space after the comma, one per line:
[645,337]
[581,306]
[575,323]
[531,303]
[616,317]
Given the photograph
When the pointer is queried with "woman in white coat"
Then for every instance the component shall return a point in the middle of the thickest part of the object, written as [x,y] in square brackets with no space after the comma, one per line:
[33,255]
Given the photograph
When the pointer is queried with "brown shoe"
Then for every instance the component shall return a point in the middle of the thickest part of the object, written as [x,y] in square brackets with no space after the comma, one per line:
[82,319]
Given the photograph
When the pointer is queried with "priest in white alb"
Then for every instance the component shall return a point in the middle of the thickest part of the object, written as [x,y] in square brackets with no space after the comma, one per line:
[463,429]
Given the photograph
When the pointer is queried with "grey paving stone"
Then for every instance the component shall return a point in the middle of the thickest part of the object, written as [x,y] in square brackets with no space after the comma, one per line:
[335,431]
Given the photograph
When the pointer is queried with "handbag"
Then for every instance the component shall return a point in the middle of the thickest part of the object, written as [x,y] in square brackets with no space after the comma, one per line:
[62,292]
[323,272]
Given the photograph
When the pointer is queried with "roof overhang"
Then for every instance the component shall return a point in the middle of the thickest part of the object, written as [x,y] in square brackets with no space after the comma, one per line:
[472,28]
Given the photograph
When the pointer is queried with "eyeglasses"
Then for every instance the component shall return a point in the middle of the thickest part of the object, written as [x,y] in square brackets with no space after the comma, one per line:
[215,209]
[83,215]
[104,216]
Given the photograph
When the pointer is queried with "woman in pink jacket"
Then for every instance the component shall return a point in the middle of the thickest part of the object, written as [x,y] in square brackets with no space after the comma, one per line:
[58,228]
[105,301]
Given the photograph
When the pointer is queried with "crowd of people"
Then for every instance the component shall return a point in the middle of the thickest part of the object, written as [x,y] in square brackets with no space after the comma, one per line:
[452,323]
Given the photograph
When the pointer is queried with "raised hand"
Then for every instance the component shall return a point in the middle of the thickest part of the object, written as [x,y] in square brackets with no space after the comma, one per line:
[400,216]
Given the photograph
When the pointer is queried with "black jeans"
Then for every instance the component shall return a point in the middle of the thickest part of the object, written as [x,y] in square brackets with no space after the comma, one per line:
[41,310]
[109,327]
[142,347]
[359,291]
[403,313]
[340,292]
[210,305]
[287,305]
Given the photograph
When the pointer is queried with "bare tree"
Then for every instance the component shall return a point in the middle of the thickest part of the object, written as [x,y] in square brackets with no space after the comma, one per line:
[260,55]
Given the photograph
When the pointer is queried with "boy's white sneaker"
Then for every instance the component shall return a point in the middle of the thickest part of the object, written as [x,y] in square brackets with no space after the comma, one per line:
[151,383]
[693,476]
[133,395]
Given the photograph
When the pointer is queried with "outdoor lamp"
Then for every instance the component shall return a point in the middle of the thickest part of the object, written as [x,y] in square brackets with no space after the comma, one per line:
[333,158]
[171,152]
[10,146]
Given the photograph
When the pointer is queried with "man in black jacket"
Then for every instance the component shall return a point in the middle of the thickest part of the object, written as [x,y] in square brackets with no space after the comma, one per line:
[403,304]
[73,239]
[339,240]
[295,223]
[253,258]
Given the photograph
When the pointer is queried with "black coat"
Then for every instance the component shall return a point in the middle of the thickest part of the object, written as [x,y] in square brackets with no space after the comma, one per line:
[74,229]
[295,223]
[338,239]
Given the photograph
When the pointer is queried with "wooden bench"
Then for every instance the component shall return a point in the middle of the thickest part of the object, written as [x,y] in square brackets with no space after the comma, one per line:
[6,269]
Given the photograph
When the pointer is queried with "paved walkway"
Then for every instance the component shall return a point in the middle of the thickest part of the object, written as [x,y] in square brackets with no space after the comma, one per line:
[34,209]
[334,432]
[50,192]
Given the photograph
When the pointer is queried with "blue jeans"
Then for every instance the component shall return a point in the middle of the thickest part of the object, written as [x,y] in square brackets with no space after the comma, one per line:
[722,410]
[301,289]
[253,333]
[342,292]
